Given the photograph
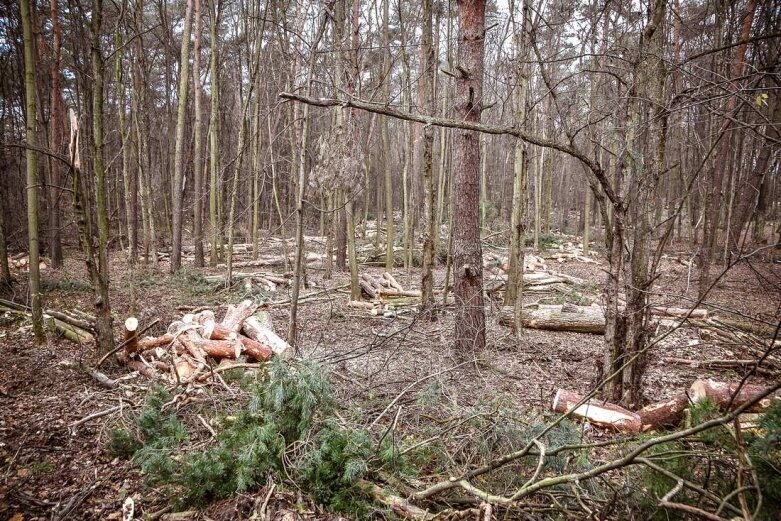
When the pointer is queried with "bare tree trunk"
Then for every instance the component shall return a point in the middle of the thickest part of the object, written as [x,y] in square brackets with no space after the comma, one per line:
[5,271]
[57,107]
[518,217]
[198,138]
[32,172]
[214,131]
[124,138]
[386,149]
[177,192]
[101,282]
[355,289]
[302,185]
[467,250]
[715,196]
[427,79]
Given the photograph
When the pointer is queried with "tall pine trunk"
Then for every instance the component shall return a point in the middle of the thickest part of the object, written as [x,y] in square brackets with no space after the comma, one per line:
[467,250]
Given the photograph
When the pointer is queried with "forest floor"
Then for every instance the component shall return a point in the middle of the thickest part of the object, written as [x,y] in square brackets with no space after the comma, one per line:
[54,468]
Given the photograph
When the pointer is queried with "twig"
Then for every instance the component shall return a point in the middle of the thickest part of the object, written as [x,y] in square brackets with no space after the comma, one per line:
[208,427]
[95,415]
[413,384]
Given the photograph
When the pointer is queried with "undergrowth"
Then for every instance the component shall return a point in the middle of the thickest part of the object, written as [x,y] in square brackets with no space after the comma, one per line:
[288,429]
[711,461]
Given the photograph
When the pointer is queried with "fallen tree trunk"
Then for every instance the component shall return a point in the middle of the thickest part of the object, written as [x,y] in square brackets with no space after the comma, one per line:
[599,413]
[730,395]
[578,319]
[72,333]
[81,323]
[680,312]
[664,414]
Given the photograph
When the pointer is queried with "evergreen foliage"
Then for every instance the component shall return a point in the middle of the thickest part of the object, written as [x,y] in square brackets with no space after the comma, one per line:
[291,408]
[711,461]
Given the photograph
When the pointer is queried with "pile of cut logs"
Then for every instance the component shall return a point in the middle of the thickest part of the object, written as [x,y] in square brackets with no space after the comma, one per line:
[570,251]
[533,281]
[386,295]
[266,281]
[384,286]
[184,352]
[659,415]
[21,260]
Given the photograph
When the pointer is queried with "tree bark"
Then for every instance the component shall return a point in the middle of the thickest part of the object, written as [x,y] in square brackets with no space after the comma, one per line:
[427,79]
[214,131]
[467,249]
[198,138]
[34,279]
[56,125]
[177,191]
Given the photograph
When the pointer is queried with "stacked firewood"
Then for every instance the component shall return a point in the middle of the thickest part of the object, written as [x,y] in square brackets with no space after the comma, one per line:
[186,351]
[385,295]
[542,281]
[269,282]
[570,251]
[21,262]
[669,413]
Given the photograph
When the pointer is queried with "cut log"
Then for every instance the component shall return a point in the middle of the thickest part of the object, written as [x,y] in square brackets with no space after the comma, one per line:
[255,329]
[393,283]
[357,304]
[236,315]
[726,394]
[582,319]
[151,342]
[680,312]
[81,323]
[129,335]
[393,292]
[367,288]
[597,412]
[664,414]
[255,349]
[72,333]
[191,341]
[143,369]
[185,370]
